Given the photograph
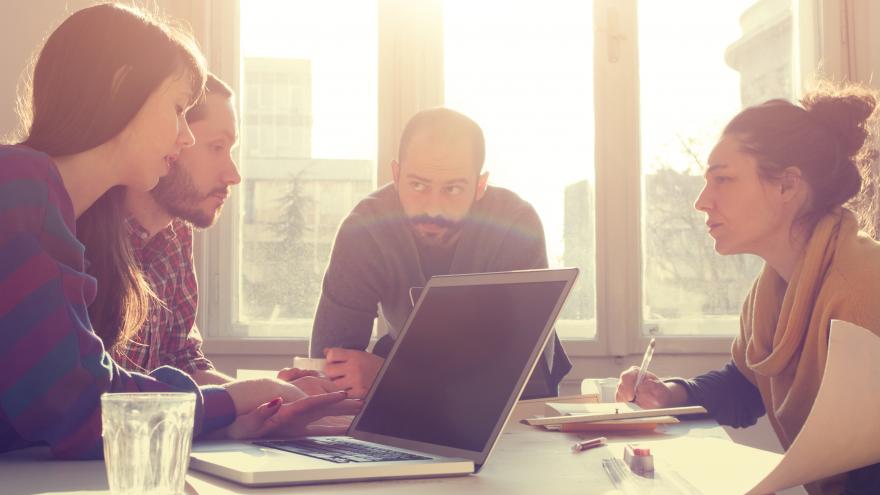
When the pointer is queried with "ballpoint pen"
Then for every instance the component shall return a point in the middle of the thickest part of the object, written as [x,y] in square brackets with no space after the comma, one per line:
[646,360]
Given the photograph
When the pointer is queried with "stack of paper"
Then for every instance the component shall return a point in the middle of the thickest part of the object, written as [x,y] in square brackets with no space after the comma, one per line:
[532,407]
[839,435]
[611,416]
[841,432]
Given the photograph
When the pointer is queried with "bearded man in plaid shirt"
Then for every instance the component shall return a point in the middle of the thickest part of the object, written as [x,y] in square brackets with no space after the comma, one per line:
[161,222]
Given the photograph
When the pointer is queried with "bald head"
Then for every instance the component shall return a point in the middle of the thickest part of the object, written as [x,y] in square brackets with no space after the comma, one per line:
[444,128]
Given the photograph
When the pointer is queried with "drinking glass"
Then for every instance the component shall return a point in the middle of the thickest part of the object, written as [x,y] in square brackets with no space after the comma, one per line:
[147,441]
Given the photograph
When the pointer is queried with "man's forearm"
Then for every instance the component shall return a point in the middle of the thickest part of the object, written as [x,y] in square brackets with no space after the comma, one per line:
[331,319]
[210,377]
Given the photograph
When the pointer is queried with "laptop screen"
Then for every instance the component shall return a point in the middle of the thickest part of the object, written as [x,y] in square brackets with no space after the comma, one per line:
[459,362]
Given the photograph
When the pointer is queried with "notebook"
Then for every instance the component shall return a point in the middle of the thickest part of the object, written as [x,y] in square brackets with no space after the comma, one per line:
[629,424]
[561,413]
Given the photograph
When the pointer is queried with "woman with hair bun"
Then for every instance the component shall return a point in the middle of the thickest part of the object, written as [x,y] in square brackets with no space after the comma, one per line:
[775,187]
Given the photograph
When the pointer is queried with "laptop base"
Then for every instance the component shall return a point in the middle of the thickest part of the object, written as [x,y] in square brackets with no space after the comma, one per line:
[254,465]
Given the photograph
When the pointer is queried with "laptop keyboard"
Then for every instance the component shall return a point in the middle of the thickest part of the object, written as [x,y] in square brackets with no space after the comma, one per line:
[340,451]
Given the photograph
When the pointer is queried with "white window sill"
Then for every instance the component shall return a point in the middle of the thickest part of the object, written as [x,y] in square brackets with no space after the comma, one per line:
[676,337]
[299,346]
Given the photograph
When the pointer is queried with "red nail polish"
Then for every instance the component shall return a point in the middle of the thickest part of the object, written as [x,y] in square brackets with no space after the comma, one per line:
[275,402]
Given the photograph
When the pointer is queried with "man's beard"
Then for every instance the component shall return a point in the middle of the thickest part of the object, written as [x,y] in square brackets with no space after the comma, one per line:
[444,239]
[177,194]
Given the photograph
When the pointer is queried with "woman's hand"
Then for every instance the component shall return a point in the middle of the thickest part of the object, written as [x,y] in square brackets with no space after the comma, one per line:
[652,392]
[295,418]
[247,395]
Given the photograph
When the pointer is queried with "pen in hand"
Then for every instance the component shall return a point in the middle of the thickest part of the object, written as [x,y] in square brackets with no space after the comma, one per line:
[588,444]
[646,360]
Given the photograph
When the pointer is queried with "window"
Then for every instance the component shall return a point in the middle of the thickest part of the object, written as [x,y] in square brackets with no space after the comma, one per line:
[534,102]
[601,114]
[696,71]
[308,150]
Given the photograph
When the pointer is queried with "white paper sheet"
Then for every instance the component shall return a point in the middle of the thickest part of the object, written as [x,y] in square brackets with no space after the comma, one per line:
[711,466]
[565,409]
[842,432]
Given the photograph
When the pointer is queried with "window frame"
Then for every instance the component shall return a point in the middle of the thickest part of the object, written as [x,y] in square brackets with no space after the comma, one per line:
[410,74]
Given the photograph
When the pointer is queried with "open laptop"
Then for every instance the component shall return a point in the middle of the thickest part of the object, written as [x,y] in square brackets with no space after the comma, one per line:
[439,401]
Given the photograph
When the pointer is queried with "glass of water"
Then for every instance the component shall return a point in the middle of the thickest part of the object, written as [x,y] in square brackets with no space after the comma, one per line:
[147,441]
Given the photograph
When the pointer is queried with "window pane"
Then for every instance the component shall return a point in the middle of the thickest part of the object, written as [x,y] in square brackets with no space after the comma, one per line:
[708,60]
[527,78]
[308,149]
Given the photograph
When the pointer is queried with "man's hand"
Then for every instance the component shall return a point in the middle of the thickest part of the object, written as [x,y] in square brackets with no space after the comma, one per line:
[313,385]
[210,377]
[294,418]
[652,393]
[351,370]
[291,374]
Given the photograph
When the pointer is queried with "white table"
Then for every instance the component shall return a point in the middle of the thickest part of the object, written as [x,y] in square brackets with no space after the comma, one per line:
[525,461]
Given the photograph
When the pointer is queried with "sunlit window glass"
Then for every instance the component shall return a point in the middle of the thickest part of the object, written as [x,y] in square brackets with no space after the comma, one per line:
[526,76]
[308,148]
[699,64]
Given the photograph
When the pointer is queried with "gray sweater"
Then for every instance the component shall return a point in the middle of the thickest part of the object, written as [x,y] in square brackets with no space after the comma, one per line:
[375,262]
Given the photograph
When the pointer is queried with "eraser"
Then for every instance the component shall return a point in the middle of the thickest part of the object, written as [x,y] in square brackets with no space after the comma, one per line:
[639,459]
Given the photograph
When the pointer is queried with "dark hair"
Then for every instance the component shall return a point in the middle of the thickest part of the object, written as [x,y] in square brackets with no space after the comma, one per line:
[93,74]
[93,230]
[443,123]
[824,138]
[213,86]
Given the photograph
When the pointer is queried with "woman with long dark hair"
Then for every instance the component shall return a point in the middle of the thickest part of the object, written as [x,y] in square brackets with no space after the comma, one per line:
[110,90]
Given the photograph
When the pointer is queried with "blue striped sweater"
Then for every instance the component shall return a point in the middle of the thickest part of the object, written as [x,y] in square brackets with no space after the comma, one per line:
[53,368]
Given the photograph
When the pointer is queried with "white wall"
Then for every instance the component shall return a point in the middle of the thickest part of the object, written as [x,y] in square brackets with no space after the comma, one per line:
[866,33]
[24,24]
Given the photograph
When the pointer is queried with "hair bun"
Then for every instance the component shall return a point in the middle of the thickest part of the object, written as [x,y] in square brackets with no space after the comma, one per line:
[843,112]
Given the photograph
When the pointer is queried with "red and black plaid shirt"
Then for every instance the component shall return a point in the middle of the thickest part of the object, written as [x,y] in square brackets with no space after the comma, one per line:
[169,336]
